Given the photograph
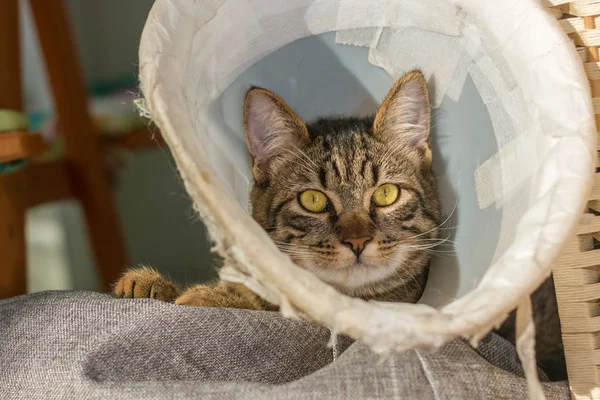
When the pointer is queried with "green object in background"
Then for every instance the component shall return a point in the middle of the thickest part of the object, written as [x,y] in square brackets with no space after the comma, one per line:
[11,120]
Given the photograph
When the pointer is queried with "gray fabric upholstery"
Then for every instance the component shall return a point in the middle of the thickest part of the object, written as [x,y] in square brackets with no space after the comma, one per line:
[86,345]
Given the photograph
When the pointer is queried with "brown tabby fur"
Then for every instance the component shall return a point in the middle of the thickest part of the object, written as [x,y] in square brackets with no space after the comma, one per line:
[347,159]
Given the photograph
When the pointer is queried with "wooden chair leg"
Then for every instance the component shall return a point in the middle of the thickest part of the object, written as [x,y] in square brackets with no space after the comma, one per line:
[84,157]
[10,56]
[13,202]
[12,191]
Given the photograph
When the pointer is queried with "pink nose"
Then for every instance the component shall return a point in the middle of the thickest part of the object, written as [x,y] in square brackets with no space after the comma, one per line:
[357,244]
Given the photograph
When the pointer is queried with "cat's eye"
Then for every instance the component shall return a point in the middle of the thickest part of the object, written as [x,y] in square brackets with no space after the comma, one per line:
[313,201]
[385,195]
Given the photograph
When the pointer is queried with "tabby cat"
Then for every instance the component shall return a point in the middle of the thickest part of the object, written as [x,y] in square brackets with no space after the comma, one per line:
[353,200]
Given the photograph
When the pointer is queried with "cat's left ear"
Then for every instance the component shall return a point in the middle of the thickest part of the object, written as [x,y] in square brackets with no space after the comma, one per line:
[404,115]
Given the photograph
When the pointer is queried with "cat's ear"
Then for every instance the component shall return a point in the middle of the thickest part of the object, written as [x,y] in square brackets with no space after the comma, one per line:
[404,115]
[272,129]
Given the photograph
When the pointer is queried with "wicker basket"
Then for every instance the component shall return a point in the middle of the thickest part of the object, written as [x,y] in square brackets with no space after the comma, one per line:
[577,273]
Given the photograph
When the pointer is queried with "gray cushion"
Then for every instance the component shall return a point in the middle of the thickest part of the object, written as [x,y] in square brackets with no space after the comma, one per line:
[90,345]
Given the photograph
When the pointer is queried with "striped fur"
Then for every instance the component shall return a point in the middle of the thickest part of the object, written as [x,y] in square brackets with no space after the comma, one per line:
[347,159]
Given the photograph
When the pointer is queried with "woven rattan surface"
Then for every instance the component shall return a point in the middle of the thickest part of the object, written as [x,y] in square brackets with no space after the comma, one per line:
[577,273]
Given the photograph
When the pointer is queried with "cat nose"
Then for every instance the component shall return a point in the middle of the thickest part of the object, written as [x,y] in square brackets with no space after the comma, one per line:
[357,244]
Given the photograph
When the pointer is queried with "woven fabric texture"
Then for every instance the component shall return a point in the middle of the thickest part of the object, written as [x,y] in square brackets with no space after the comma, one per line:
[90,345]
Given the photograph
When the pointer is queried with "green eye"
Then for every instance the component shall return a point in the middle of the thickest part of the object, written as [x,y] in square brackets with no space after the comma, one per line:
[313,201]
[386,195]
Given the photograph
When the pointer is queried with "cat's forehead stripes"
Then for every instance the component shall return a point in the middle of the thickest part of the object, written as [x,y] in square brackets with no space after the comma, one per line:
[345,154]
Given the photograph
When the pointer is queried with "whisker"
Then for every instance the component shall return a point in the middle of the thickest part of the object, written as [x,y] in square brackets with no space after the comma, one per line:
[292,245]
[421,247]
[446,239]
[437,227]
[403,265]
[439,252]
[298,252]
[435,242]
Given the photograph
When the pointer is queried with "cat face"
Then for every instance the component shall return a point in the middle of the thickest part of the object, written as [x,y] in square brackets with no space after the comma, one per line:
[352,200]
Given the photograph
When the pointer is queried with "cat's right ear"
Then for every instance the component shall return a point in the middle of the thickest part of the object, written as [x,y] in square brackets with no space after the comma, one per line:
[272,129]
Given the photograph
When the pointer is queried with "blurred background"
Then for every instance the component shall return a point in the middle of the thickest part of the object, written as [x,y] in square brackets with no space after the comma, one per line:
[159,226]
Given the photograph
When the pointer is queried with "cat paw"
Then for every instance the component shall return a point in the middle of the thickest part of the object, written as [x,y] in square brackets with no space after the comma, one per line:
[145,282]
[201,296]
[223,295]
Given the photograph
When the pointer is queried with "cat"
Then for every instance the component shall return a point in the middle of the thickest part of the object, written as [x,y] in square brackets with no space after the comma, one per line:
[353,200]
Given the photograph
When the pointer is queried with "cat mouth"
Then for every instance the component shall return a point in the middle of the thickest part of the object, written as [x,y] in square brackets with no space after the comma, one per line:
[350,278]
[359,265]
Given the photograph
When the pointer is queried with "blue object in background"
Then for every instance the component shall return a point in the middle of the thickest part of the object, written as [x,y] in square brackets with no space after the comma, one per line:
[12,166]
